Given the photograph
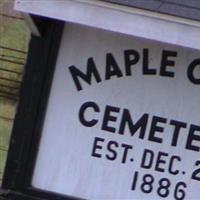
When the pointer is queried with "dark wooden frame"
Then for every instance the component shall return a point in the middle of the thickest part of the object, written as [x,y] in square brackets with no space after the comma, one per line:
[31,110]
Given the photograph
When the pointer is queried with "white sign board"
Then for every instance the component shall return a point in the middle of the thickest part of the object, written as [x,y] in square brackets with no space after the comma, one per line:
[123,119]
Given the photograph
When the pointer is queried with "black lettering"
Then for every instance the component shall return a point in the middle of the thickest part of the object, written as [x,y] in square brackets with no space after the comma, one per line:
[190,71]
[146,69]
[126,148]
[192,137]
[178,125]
[91,71]
[165,62]
[155,128]
[109,118]
[147,159]
[160,161]
[131,58]
[140,124]
[88,123]
[173,158]
[112,68]
[111,150]
[95,147]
